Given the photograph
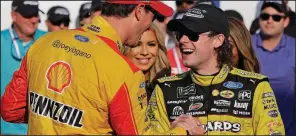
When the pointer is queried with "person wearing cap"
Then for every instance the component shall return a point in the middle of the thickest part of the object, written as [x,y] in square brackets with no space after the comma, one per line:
[174,53]
[181,7]
[58,18]
[79,83]
[226,100]
[276,53]
[84,14]
[15,41]
[289,30]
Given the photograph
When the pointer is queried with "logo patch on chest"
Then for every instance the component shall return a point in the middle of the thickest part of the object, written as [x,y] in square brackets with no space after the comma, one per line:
[184,92]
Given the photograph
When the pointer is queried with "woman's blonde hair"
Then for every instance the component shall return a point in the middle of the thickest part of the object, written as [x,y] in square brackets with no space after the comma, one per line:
[241,39]
[162,64]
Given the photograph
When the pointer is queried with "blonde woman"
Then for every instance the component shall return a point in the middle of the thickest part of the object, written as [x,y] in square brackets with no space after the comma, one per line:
[150,55]
[243,54]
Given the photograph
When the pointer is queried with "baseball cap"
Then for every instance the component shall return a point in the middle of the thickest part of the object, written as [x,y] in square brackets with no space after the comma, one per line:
[27,8]
[84,10]
[158,6]
[202,18]
[279,5]
[58,15]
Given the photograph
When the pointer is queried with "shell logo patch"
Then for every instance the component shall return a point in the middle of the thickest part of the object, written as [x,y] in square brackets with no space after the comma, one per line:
[227,94]
[59,76]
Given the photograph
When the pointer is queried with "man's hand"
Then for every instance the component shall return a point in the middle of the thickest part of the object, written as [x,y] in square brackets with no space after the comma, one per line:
[192,125]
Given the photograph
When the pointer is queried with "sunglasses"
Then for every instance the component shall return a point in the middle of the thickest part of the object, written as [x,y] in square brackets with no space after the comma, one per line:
[265,16]
[191,35]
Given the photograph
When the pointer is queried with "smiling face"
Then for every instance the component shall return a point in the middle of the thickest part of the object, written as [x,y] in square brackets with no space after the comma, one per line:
[199,52]
[144,54]
[27,26]
[194,53]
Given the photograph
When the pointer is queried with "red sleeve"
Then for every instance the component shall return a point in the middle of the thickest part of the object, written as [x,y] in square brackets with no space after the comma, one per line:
[14,99]
[121,114]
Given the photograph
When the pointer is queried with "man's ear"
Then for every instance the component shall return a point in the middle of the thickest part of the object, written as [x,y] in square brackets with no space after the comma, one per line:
[47,22]
[140,11]
[286,22]
[219,40]
[13,16]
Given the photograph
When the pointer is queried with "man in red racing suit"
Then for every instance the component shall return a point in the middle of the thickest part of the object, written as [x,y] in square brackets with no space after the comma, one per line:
[77,82]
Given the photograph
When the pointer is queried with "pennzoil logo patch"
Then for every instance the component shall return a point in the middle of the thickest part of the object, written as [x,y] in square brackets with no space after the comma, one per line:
[55,110]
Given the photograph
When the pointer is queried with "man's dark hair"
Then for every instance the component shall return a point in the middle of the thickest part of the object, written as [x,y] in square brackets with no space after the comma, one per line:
[224,52]
[96,5]
[119,10]
[160,18]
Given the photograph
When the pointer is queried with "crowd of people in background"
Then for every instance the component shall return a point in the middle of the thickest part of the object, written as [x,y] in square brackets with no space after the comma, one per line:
[177,50]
